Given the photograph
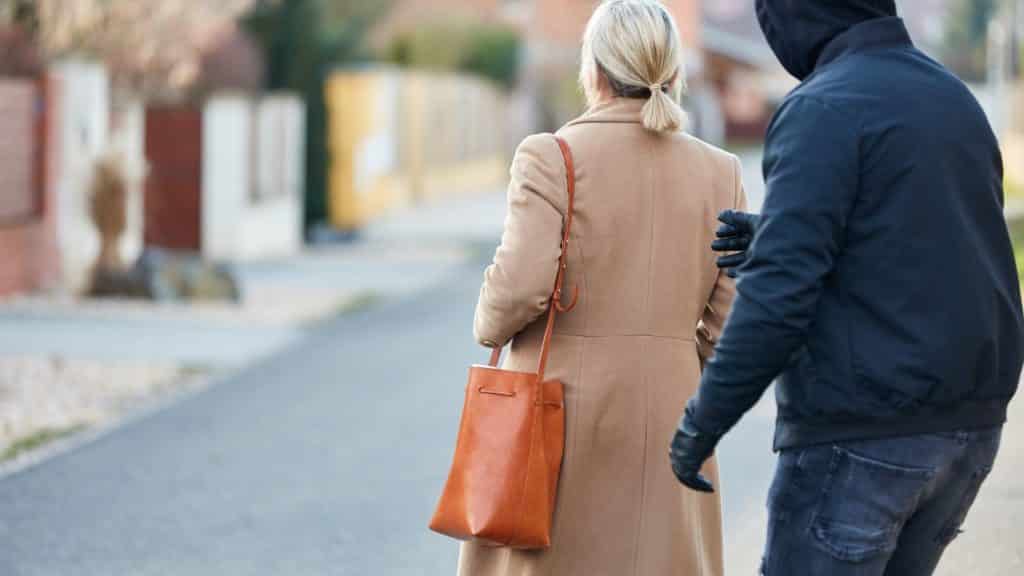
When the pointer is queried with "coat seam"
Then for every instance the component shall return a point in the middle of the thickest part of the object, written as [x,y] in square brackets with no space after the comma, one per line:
[586,284]
[568,470]
[643,470]
[652,192]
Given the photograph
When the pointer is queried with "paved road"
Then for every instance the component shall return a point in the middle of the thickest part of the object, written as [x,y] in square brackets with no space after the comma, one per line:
[323,459]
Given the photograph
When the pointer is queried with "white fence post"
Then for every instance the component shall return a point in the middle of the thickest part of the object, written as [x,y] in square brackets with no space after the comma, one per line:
[253,177]
[84,133]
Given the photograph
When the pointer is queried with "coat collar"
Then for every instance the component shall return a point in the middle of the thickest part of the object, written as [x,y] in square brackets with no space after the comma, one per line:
[615,111]
[878,33]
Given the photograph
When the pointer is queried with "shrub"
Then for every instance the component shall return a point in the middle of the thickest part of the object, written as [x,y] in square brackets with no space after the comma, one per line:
[489,51]
[494,54]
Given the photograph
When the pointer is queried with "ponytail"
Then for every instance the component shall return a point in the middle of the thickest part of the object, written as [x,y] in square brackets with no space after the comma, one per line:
[661,113]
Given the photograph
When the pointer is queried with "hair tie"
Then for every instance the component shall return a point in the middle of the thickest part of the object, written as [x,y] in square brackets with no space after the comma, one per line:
[655,88]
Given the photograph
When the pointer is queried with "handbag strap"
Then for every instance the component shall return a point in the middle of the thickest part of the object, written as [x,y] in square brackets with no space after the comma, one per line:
[556,306]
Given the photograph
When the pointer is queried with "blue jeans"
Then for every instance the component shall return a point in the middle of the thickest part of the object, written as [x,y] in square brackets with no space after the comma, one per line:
[874,508]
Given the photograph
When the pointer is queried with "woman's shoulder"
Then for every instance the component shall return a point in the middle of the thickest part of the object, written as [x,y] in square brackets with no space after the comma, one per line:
[540,165]
[717,157]
[541,148]
[724,168]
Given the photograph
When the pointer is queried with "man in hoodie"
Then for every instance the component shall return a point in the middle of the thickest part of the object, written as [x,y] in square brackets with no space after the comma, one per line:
[880,288]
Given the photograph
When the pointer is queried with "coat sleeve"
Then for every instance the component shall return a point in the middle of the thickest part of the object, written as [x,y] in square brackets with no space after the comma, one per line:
[812,175]
[709,330]
[518,285]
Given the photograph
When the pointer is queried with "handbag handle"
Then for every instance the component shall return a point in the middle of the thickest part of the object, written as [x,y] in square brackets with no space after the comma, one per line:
[556,295]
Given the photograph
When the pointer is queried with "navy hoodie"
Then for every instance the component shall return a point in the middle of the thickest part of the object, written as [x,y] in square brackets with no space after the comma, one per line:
[881,287]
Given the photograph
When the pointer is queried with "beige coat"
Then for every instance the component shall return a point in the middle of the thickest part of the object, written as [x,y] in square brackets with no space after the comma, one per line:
[651,304]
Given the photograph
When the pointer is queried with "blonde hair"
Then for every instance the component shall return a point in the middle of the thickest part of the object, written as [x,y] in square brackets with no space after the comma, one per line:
[636,46]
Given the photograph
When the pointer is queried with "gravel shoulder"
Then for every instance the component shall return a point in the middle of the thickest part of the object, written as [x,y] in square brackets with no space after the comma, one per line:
[50,404]
[70,367]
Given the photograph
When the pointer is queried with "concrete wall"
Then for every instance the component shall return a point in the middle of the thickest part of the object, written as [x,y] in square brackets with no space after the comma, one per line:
[84,136]
[364,147]
[128,141]
[252,177]
[397,138]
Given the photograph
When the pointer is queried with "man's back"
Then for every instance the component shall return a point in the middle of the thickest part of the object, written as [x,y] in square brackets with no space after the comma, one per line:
[883,258]
[922,312]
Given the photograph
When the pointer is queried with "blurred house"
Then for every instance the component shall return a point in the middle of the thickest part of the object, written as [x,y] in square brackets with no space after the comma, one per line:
[226,176]
[62,110]
[30,116]
[227,165]
[60,118]
[741,67]
[19,56]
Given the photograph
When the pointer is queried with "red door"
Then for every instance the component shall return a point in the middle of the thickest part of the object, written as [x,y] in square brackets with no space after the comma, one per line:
[174,152]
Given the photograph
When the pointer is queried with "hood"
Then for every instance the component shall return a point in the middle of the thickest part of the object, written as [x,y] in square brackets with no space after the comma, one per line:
[798,30]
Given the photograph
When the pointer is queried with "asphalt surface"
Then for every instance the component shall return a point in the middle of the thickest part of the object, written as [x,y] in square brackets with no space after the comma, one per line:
[325,458]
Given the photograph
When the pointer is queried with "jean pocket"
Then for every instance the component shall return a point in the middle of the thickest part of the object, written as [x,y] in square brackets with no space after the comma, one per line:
[952,528]
[864,505]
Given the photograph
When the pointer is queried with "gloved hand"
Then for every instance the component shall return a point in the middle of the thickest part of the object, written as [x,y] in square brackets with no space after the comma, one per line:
[690,449]
[735,235]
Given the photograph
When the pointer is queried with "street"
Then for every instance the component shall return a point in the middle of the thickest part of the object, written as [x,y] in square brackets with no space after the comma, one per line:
[323,459]
[242,241]
[327,454]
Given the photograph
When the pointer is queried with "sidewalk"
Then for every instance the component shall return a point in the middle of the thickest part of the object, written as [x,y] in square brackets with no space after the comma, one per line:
[992,543]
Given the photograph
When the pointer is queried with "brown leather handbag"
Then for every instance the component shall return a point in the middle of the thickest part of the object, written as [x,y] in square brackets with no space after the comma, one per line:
[502,485]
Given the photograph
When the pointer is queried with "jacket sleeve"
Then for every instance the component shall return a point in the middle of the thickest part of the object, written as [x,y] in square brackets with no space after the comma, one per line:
[811,171]
[709,330]
[517,286]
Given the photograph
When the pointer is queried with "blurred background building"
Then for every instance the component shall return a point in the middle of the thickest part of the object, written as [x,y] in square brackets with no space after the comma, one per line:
[240,129]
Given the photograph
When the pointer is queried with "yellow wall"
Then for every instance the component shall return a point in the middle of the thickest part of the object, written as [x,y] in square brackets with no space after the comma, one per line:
[398,138]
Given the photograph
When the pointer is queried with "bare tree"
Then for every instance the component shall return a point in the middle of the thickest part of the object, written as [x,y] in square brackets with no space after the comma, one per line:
[152,47]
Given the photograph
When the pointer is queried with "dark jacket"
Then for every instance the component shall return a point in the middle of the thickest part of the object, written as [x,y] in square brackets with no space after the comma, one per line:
[881,283]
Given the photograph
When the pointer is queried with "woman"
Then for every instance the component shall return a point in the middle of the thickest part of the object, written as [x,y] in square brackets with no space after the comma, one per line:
[651,304]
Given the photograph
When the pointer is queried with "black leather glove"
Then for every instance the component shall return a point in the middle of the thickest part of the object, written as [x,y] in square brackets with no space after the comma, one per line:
[690,449]
[735,235]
